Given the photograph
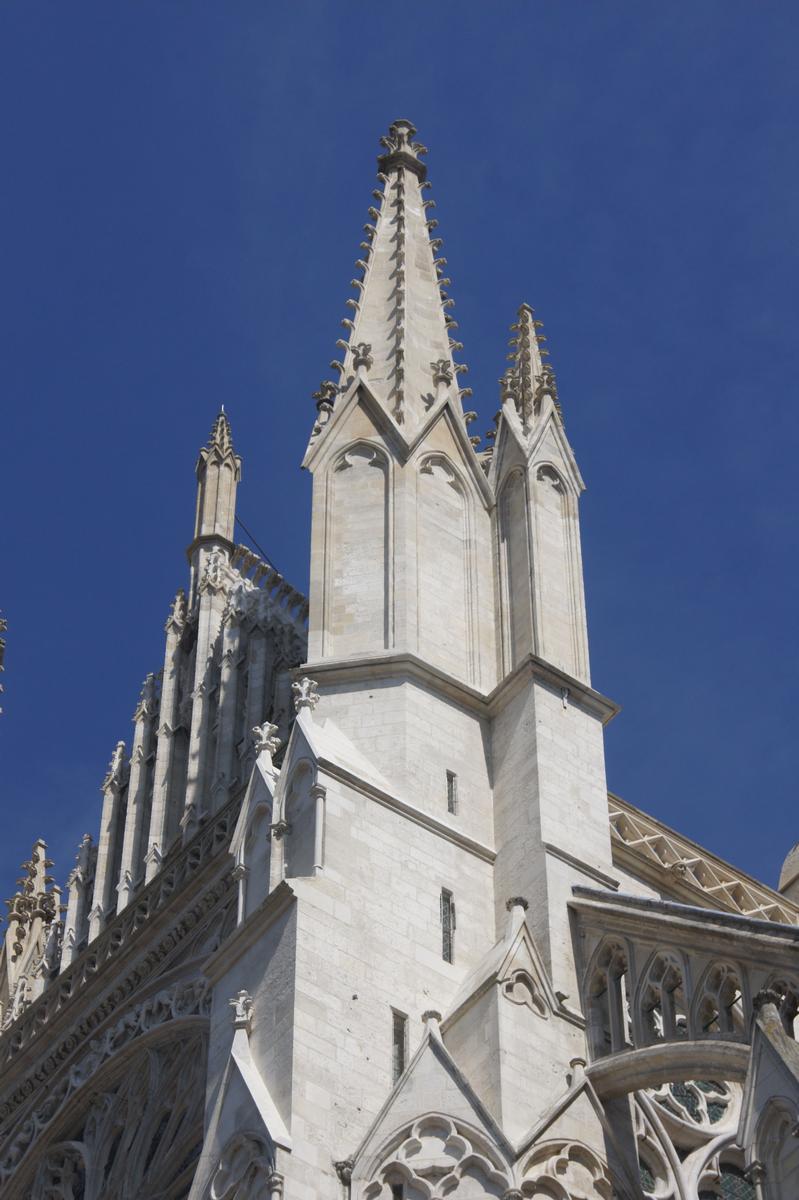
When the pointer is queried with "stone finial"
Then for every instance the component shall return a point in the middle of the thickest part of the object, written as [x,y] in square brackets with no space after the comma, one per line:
[115,776]
[432,1018]
[362,355]
[442,371]
[221,438]
[325,396]
[177,612]
[265,738]
[401,150]
[767,995]
[242,1005]
[305,693]
[516,902]
[82,858]
[148,698]
[36,897]
[513,1193]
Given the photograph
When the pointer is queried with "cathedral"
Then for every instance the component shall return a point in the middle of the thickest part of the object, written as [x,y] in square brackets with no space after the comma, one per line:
[362,920]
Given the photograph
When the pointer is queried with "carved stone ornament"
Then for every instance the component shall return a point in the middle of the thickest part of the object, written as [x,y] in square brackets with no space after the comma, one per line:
[578,1171]
[451,1151]
[213,578]
[442,371]
[242,1005]
[305,693]
[265,738]
[362,355]
[116,767]
[521,988]
[245,1171]
[344,1170]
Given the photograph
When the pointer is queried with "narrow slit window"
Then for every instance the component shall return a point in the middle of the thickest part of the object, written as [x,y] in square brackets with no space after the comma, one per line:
[447,925]
[399,1043]
[452,792]
[397,1191]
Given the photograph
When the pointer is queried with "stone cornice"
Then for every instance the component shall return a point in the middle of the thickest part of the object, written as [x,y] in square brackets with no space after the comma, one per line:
[486,704]
[758,942]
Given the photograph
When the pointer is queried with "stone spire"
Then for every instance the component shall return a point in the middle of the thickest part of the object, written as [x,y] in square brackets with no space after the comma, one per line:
[399,332]
[531,377]
[218,474]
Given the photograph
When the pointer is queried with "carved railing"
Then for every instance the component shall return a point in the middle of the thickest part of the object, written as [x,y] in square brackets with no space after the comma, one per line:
[270,581]
[681,868]
[175,874]
[656,971]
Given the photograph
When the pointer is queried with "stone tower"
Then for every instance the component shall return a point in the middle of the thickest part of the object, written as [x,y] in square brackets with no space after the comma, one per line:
[363,921]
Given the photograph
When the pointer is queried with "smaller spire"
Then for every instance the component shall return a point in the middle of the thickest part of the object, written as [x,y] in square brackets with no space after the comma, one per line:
[221,438]
[115,775]
[218,473]
[531,376]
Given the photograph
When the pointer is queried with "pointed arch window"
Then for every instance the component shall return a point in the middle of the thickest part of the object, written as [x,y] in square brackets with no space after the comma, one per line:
[719,1011]
[608,1004]
[661,1006]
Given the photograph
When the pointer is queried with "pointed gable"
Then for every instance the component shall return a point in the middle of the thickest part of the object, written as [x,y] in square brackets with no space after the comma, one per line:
[507,1022]
[433,1125]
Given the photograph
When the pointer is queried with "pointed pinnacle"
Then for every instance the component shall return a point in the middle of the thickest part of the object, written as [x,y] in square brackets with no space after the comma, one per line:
[221,438]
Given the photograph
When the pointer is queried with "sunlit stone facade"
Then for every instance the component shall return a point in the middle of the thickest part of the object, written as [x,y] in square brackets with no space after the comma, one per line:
[362,920]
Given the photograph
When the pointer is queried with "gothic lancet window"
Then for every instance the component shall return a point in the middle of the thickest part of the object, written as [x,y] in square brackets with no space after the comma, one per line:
[719,1011]
[399,1043]
[662,1000]
[447,925]
[608,1020]
[452,792]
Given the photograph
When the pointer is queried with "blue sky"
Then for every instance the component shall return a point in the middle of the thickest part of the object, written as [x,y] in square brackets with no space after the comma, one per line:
[183,196]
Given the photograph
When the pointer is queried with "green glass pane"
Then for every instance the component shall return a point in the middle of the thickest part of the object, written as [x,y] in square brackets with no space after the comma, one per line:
[710,1085]
[686,1098]
[735,1185]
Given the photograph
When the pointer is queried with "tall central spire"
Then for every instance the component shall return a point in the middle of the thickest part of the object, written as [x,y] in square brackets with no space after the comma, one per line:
[399,331]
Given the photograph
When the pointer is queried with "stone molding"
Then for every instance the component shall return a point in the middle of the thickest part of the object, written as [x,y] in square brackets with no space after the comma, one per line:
[486,704]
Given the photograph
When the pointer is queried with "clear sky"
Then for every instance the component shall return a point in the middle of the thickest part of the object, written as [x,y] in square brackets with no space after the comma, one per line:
[184,186]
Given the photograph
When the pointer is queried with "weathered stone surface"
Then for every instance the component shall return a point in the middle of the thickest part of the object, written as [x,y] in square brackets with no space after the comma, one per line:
[359,921]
